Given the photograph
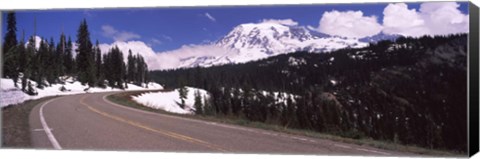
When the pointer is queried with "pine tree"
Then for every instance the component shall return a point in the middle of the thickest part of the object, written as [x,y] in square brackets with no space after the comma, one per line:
[108,69]
[139,64]
[99,65]
[115,68]
[183,92]
[60,56]
[146,75]
[130,67]
[42,60]
[123,71]
[198,103]
[69,62]
[85,56]
[207,106]
[51,64]
[27,62]
[9,52]
[22,60]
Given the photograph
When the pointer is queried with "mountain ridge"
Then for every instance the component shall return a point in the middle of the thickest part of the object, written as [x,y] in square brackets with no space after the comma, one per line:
[255,41]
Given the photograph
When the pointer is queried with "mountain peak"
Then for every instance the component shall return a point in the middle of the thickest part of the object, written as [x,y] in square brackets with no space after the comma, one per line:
[255,41]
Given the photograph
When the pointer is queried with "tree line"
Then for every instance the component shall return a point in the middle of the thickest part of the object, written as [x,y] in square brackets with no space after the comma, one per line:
[410,91]
[51,63]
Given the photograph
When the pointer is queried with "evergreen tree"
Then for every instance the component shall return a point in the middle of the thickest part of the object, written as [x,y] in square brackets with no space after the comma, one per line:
[146,75]
[183,93]
[130,67]
[60,56]
[207,106]
[51,64]
[198,103]
[42,60]
[115,68]
[140,66]
[26,62]
[98,63]
[85,56]
[22,61]
[9,52]
[69,62]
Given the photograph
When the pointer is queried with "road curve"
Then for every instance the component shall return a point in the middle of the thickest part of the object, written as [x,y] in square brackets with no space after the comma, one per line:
[90,122]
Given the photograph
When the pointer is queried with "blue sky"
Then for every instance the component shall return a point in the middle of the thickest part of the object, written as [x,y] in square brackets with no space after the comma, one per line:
[170,28]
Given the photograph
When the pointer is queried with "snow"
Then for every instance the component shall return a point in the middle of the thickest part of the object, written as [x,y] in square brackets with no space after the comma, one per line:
[296,62]
[333,82]
[12,95]
[169,101]
[256,41]
[281,97]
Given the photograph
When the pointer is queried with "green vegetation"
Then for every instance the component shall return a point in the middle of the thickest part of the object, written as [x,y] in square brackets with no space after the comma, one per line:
[47,64]
[411,91]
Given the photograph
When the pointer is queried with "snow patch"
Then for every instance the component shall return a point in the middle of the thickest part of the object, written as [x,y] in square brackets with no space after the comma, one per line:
[296,62]
[169,101]
[13,95]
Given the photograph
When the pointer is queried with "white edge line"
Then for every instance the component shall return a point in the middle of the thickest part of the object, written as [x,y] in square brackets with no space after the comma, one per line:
[222,125]
[49,133]
[342,146]
[200,121]
[378,152]
[175,117]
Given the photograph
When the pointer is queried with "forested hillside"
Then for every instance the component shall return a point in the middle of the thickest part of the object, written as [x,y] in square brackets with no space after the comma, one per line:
[37,62]
[411,91]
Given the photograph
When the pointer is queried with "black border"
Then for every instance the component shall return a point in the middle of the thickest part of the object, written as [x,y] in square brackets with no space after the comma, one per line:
[1,71]
[473,75]
[473,80]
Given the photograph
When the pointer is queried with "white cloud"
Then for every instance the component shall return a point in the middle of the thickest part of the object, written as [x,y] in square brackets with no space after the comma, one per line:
[167,37]
[137,47]
[172,59]
[288,22]
[433,18]
[349,24]
[210,17]
[125,36]
[167,59]
[110,32]
[156,41]
[87,13]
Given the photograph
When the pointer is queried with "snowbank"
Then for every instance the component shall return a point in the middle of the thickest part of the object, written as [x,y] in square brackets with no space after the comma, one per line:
[168,101]
[9,94]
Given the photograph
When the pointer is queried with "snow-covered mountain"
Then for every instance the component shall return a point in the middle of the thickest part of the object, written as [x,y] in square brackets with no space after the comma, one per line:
[254,41]
[379,37]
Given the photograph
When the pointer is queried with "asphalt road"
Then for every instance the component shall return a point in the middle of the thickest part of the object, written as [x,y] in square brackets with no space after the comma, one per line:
[90,122]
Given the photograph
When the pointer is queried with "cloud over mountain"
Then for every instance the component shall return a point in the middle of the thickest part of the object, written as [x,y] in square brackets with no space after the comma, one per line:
[351,24]
[110,32]
[433,18]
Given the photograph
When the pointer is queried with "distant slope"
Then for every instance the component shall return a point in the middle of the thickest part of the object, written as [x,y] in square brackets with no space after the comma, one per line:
[411,91]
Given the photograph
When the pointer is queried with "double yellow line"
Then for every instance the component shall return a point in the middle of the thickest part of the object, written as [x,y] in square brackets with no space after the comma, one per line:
[159,131]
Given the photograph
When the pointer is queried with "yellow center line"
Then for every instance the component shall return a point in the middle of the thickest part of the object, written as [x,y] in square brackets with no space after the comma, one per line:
[145,127]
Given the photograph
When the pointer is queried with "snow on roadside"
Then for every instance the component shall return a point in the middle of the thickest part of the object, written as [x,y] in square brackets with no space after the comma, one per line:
[168,101]
[9,94]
